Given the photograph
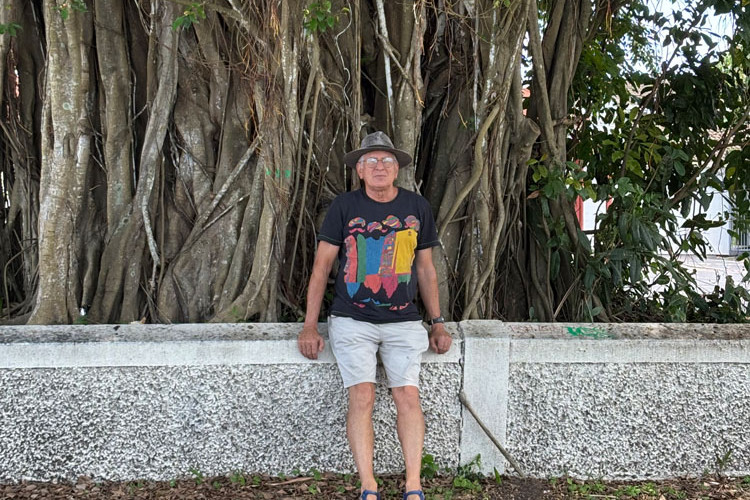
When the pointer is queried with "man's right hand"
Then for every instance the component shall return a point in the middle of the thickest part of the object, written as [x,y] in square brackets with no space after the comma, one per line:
[309,342]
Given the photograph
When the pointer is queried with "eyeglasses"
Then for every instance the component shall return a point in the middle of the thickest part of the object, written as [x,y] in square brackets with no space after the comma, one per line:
[372,162]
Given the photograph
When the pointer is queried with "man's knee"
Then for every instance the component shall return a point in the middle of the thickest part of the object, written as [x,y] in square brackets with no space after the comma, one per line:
[362,397]
[406,398]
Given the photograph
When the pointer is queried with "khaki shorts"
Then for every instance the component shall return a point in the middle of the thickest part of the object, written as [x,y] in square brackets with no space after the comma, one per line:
[357,343]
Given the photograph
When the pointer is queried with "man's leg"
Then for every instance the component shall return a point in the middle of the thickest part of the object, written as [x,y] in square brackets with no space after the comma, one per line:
[360,432]
[410,425]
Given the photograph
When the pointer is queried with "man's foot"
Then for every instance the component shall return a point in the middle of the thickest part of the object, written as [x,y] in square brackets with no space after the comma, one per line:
[370,495]
[414,494]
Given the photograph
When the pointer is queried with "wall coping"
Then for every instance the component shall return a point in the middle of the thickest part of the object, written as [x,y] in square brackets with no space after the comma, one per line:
[288,331]
[53,346]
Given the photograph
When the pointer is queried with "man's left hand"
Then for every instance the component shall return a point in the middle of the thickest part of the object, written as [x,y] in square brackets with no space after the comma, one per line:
[440,339]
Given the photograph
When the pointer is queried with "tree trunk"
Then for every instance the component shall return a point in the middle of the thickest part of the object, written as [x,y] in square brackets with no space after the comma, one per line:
[66,158]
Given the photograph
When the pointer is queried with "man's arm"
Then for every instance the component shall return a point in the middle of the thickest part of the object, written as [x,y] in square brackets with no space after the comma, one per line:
[309,342]
[440,339]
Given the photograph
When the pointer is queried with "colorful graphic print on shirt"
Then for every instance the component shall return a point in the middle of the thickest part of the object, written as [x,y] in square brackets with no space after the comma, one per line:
[379,256]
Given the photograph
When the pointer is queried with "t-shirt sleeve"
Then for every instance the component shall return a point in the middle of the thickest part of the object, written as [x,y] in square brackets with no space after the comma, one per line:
[332,227]
[428,237]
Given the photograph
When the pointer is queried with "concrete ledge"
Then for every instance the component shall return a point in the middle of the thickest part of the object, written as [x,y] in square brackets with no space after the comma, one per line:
[159,345]
[152,401]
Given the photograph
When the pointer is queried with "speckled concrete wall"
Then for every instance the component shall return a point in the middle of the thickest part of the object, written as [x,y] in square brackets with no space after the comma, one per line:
[68,410]
[154,401]
[629,420]
[628,401]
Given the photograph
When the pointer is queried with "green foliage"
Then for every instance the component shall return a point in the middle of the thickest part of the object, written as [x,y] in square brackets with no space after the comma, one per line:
[134,486]
[10,29]
[498,477]
[556,180]
[238,478]
[429,468]
[468,477]
[723,462]
[71,6]
[193,14]
[577,488]
[198,476]
[730,304]
[658,143]
[632,490]
[315,473]
[319,18]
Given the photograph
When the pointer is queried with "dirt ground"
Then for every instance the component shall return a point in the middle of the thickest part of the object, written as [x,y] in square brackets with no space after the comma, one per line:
[338,486]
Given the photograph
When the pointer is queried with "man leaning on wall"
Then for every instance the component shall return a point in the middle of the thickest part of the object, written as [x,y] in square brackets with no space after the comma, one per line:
[382,236]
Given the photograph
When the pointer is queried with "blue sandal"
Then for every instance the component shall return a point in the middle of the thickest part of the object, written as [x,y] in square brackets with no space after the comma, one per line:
[419,493]
[366,493]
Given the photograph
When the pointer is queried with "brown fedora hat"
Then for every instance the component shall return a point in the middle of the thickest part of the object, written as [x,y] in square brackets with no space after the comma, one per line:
[377,141]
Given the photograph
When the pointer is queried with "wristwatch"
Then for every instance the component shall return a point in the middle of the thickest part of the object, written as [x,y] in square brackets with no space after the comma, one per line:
[435,321]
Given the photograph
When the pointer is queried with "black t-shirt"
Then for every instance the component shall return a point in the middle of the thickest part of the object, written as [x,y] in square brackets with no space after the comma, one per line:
[377,279]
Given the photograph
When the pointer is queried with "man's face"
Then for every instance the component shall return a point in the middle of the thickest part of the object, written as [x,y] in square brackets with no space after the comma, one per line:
[377,169]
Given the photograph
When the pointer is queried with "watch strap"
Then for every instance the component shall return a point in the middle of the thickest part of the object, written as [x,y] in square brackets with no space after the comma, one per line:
[437,320]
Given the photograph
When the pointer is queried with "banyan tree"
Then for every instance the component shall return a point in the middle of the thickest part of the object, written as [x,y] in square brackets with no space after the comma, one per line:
[170,160]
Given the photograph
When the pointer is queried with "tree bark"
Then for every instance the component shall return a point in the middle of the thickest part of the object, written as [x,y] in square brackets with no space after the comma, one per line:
[125,269]
[66,155]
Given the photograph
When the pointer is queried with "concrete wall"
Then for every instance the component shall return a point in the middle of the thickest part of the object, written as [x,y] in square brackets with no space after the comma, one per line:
[154,401]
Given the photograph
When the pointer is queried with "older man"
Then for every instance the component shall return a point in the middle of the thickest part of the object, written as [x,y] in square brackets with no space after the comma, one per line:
[383,237]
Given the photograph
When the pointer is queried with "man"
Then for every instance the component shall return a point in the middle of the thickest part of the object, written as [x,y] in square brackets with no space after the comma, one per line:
[383,237]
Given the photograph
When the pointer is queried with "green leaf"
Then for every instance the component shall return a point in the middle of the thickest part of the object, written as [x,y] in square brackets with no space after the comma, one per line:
[616,269]
[583,240]
[589,277]
[633,165]
[662,280]
[623,225]
[624,186]
[635,269]
[554,188]
[498,477]
[554,265]
[617,254]
[679,168]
